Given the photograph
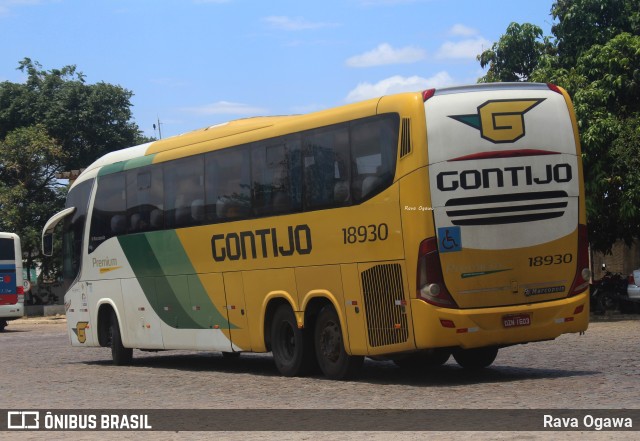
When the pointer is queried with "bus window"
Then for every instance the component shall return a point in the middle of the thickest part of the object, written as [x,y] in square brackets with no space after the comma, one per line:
[373,148]
[145,199]
[73,228]
[109,210]
[184,192]
[277,186]
[326,169]
[228,184]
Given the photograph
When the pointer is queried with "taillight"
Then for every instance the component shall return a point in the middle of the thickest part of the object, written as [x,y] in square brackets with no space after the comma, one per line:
[554,88]
[583,273]
[20,290]
[426,94]
[430,281]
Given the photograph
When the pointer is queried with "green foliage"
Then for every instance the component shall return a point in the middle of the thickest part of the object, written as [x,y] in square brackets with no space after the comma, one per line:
[29,193]
[584,23]
[516,55]
[596,57]
[87,120]
[53,122]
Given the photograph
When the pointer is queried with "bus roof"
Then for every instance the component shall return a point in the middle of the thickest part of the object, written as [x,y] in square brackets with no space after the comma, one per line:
[227,134]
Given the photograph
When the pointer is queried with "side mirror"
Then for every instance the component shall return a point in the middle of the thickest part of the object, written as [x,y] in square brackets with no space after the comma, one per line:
[47,244]
[47,231]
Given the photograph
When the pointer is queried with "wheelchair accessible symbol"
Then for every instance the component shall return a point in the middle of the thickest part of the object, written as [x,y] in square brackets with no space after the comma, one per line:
[449,239]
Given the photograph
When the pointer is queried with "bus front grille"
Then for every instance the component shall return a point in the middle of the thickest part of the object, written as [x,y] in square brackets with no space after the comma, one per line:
[384,305]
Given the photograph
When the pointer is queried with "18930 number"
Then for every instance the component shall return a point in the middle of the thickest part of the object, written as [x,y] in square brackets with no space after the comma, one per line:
[555,259]
[365,233]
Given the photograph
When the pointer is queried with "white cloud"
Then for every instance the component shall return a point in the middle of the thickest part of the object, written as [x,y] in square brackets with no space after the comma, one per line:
[398,84]
[386,54]
[226,108]
[465,49]
[294,23]
[460,30]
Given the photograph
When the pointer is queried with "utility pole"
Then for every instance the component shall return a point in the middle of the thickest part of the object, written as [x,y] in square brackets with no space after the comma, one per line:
[159,129]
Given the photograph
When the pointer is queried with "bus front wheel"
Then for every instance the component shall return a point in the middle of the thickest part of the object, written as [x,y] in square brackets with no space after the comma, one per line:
[476,358]
[291,346]
[334,361]
[121,355]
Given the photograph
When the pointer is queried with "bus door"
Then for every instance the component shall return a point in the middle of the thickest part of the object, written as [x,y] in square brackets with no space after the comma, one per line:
[236,312]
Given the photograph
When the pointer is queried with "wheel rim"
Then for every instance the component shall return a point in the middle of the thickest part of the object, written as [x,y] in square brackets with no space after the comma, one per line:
[330,341]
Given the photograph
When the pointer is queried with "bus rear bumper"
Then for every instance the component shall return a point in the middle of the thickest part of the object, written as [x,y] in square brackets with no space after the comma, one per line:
[11,312]
[499,326]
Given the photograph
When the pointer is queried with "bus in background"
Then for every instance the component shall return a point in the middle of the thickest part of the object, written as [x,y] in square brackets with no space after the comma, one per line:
[11,287]
[414,227]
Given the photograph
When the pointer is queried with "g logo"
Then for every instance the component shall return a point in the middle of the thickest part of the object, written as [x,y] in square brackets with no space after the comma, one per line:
[500,121]
[80,331]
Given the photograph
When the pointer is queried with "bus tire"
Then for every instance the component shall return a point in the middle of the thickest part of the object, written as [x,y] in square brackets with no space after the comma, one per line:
[3,324]
[121,356]
[291,347]
[333,360]
[476,358]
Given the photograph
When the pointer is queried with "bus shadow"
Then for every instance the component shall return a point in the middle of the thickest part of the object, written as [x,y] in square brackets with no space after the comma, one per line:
[386,373]
[373,371]
[203,362]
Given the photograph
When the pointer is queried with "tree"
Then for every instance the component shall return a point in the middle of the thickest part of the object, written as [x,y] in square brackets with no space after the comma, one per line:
[596,57]
[29,191]
[53,121]
[87,120]
[584,23]
[516,55]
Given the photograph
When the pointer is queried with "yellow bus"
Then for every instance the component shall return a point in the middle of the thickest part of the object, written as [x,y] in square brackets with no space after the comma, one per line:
[412,227]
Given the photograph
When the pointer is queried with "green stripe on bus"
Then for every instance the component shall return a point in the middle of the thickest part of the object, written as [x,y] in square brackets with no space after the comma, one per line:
[126,165]
[111,168]
[139,162]
[169,281]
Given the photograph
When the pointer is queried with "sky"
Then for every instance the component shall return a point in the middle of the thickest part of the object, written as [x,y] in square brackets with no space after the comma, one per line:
[195,63]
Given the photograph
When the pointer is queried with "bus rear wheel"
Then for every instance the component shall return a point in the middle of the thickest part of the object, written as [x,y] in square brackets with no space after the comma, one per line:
[476,358]
[334,361]
[121,355]
[291,346]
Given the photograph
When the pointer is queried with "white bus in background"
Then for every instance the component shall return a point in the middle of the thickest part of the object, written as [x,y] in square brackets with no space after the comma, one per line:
[11,287]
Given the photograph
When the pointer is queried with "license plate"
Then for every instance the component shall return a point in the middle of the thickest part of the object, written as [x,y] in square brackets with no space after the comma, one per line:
[515,320]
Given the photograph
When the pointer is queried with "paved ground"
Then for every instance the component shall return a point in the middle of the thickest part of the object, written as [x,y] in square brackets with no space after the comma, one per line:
[598,370]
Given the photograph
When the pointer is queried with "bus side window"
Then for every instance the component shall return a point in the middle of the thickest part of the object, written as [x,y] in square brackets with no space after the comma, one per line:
[109,210]
[374,143]
[228,184]
[144,199]
[276,175]
[184,192]
[326,169]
